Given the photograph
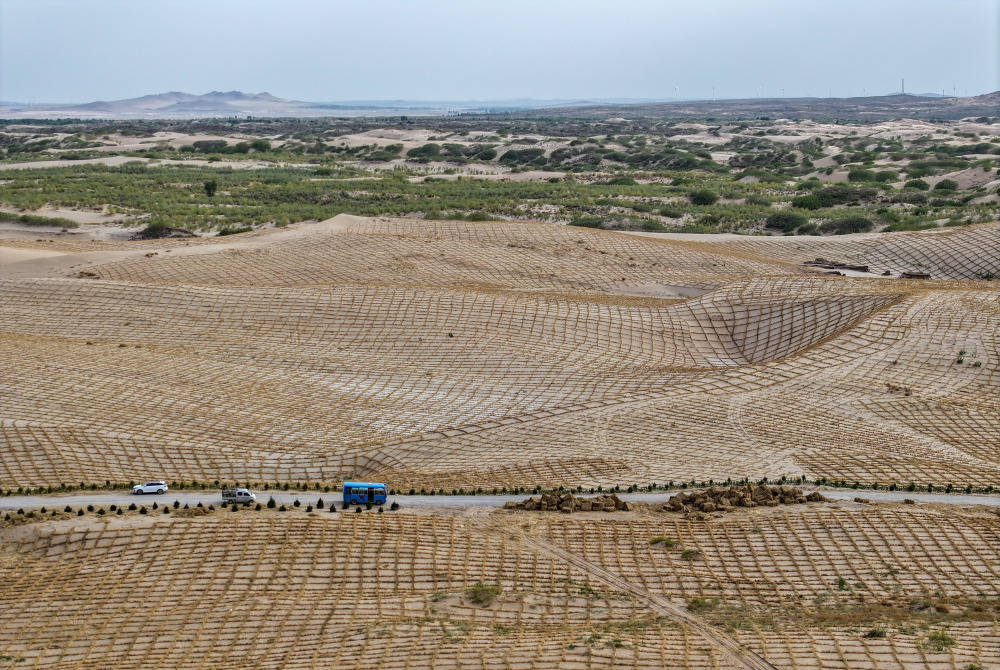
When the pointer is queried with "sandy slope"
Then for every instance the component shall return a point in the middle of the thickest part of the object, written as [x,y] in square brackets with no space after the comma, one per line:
[453,353]
[23,257]
[19,263]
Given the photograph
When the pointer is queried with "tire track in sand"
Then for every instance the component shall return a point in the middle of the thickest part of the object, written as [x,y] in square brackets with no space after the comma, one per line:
[740,655]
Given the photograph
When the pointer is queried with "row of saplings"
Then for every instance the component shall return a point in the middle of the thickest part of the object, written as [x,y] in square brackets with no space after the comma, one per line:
[21,516]
[713,499]
[32,515]
[271,504]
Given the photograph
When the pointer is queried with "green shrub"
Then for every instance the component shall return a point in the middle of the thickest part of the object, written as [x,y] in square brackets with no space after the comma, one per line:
[668,542]
[35,220]
[641,206]
[786,221]
[918,184]
[806,202]
[911,198]
[946,185]
[209,146]
[587,221]
[939,640]
[703,197]
[860,174]
[836,194]
[847,225]
[482,594]
[522,156]
[908,225]
[426,151]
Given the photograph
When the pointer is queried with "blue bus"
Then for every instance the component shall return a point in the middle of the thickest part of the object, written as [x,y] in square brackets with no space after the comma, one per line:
[364,493]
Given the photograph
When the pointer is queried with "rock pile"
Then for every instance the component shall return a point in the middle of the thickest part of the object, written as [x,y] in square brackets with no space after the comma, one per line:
[568,503]
[835,265]
[718,499]
[706,500]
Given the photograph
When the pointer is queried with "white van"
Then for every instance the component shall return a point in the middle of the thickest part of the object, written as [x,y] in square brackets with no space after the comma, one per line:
[237,495]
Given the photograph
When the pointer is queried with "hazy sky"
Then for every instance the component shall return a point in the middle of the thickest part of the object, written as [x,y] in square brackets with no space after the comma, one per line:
[82,50]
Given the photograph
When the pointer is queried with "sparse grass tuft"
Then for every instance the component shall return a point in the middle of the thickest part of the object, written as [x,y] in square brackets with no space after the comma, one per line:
[939,640]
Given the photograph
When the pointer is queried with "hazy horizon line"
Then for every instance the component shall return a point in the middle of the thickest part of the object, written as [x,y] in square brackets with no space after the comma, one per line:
[588,98]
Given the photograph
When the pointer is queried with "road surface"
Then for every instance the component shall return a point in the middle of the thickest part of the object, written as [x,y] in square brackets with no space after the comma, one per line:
[213,497]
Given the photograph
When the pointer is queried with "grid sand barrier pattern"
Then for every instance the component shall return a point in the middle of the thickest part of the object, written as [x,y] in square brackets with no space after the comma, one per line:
[963,252]
[324,357]
[299,590]
[804,586]
[274,590]
[773,556]
[534,257]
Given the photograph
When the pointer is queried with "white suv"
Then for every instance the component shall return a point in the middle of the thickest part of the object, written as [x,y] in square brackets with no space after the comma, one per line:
[150,487]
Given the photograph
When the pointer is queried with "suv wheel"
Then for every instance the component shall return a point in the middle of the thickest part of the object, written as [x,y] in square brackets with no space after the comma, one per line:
[160,491]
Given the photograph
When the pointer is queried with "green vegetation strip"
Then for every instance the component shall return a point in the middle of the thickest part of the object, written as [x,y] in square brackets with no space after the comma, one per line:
[35,220]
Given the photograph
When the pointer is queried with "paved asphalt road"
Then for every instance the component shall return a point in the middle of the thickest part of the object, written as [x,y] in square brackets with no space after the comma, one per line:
[105,498]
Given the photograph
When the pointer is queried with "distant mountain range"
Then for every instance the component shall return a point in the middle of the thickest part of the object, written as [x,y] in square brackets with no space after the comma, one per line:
[176,104]
[179,105]
[173,104]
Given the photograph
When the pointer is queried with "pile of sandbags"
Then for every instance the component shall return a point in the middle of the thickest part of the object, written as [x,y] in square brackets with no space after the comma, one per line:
[719,499]
[569,503]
